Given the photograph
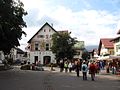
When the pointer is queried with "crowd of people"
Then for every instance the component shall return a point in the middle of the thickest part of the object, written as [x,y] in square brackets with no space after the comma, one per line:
[91,67]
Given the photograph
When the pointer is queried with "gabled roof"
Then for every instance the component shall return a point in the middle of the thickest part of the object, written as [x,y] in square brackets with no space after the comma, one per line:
[41,29]
[107,42]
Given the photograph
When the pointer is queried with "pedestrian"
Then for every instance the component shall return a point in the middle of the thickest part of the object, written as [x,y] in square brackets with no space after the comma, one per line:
[108,68]
[113,70]
[92,70]
[70,66]
[33,66]
[84,69]
[61,65]
[97,67]
[77,68]
[66,66]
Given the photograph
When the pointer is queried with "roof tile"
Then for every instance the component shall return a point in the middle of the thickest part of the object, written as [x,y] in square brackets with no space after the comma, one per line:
[107,42]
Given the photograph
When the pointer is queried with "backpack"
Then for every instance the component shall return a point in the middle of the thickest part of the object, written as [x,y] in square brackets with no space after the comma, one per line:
[83,68]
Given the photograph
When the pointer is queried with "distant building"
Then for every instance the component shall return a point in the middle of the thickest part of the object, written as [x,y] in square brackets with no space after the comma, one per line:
[17,54]
[79,47]
[116,42]
[106,47]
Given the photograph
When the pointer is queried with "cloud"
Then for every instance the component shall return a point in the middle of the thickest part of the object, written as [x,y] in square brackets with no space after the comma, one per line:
[88,25]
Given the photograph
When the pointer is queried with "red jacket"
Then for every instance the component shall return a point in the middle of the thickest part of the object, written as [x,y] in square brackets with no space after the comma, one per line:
[92,67]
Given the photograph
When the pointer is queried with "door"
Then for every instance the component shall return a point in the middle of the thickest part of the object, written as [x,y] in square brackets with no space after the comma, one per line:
[35,59]
[46,60]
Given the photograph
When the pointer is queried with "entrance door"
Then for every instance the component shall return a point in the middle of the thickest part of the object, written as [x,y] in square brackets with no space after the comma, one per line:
[46,60]
[35,59]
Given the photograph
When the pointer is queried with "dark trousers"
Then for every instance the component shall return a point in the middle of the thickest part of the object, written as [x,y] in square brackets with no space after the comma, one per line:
[66,69]
[70,69]
[61,69]
[77,71]
[84,75]
[93,76]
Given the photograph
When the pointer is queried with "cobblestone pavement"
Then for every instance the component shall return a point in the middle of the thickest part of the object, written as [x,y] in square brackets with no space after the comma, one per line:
[17,79]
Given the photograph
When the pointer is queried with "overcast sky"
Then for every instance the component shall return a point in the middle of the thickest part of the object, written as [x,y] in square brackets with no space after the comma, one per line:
[88,20]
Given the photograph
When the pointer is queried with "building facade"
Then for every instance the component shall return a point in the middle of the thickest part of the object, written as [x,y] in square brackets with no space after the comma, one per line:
[79,47]
[106,47]
[16,54]
[117,44]
[40,44]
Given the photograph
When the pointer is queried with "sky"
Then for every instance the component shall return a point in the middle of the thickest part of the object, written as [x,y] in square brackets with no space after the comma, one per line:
[87,20]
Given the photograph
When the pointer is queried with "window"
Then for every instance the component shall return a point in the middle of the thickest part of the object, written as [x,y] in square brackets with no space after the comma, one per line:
[117,48]
[44,30]
[40,36]
[49,30]
[111,52]
[50,36]
[47,47]
[46,36]
[36,46]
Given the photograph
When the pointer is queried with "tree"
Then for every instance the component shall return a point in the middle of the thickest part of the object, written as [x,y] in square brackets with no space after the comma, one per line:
[85,55]
[11,24]
[63,45]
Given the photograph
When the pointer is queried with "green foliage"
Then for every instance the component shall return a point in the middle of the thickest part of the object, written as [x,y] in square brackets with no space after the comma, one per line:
[11,24]
[63,45]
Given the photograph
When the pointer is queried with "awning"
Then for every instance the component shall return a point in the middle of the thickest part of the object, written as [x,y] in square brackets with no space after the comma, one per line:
[110,57]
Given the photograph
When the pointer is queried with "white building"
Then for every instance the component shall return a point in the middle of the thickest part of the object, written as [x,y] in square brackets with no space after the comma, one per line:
[16,54]
[40,44]
[117,44]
